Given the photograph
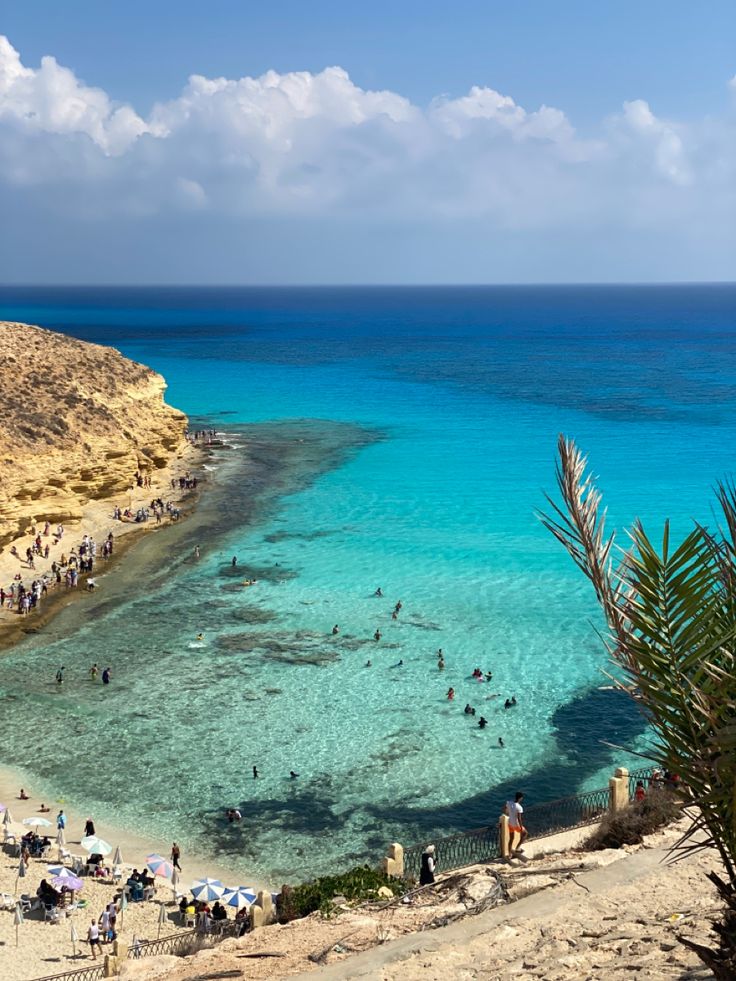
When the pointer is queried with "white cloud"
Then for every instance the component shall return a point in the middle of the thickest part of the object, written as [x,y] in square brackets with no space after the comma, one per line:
[315,144]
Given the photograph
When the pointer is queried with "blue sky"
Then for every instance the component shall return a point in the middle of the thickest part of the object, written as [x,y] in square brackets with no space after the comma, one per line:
[467,142]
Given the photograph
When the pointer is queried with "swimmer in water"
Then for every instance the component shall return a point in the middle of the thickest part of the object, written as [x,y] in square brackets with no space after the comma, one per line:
[489,676]
[196,552]
[377,635]
[200,636]
[369,664]
[441,664]
[336,630]
[513,699]
[378,592]
[234,561]
[93,672]
[394,615]
[293,775]
[398,606]
[255,772]
[507,704]
[400,663]
[450,694]
[501,742]
[467,709]
[439,653]
[482,723]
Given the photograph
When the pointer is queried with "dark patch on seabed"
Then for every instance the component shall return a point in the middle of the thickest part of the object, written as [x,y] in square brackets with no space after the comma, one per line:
[584,725]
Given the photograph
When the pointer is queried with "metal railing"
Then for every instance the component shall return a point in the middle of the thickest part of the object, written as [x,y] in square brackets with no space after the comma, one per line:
[175,943]
[93,973]
[541,820]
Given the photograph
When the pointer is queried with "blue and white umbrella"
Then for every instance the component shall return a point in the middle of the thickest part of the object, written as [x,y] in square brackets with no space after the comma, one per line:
[205,890]
[240,898]
[60,870]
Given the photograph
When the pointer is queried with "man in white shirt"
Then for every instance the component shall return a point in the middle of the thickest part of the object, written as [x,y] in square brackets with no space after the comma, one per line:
[516,823]
[93,936]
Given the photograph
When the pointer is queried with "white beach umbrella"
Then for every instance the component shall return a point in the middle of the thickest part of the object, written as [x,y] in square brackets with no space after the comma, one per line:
[95,845]
[174,882]
[7,818]
[17,920]
[117,858]
[74,939]
[123,907]
[36,822]
[162,917]
[21,873]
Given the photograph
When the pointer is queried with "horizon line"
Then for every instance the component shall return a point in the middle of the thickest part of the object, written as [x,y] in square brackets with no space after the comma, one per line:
[372,285]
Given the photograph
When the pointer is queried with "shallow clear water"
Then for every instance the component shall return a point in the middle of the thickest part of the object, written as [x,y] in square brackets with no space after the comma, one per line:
[449,403]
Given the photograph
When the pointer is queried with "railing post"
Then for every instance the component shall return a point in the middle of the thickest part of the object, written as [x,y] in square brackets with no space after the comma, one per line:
[618,786]
[111,966]
[393,861]
[503,835]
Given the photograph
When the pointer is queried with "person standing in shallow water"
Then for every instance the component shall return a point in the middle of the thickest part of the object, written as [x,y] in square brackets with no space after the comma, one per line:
[255,772]
[175,856]
[234,562]
[426,872]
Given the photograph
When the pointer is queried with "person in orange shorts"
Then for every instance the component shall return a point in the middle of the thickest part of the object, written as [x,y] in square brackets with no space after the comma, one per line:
[516,823]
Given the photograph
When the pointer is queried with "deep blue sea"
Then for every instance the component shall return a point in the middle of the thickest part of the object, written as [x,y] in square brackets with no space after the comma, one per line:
[403,439]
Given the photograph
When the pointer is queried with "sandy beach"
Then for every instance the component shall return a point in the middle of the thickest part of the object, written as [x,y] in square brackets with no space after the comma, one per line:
[45,948]
[97,521]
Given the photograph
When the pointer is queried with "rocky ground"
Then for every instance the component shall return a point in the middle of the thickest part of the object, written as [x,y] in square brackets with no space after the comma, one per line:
[572,915]
[76,422]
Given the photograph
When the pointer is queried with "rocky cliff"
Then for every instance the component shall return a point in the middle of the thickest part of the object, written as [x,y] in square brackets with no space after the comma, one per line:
[77,420]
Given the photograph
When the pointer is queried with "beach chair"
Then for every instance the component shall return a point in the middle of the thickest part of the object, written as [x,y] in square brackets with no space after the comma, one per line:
[6,901]
[51,914]
[28,903]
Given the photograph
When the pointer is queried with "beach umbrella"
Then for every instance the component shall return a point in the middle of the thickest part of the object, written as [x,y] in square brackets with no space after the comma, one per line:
[95,845]
[174,882]
[17,920]
[21,873]
[162,917]
[240,897]
[205,890]
[70,881]
[60,870]
[36,822]
[75,939]
[160,866]
[117,858]
[123,907]
[7,819]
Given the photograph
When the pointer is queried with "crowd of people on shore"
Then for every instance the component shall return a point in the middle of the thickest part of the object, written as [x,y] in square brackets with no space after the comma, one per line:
[24,597]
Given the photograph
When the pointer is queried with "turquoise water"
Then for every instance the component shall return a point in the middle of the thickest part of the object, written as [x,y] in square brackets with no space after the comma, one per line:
[401,438]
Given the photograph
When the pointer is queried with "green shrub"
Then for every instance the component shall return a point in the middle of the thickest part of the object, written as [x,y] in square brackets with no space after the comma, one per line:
[640,818]
[360,883]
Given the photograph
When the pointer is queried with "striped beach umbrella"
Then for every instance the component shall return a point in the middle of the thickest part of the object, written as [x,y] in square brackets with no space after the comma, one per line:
[160,866]
[240,897]
[59,870]
[206,890]
[95,845]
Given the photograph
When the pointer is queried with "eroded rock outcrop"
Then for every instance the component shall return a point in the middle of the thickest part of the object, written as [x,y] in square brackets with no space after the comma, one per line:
[77,420]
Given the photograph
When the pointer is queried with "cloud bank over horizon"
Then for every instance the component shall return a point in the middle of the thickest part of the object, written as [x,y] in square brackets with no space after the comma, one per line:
[308,177]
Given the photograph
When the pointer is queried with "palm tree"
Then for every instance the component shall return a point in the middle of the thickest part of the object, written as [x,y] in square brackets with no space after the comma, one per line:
[671,618]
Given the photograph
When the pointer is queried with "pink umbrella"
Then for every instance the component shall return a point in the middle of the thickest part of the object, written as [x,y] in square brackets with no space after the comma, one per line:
[160,866]
[72,882]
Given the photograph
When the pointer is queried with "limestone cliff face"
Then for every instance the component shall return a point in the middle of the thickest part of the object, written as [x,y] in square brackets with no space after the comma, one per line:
[76,422]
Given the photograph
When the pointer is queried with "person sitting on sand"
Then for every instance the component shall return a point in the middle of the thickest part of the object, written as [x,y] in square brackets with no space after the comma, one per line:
[43,809]
[218,911]
[23,795]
